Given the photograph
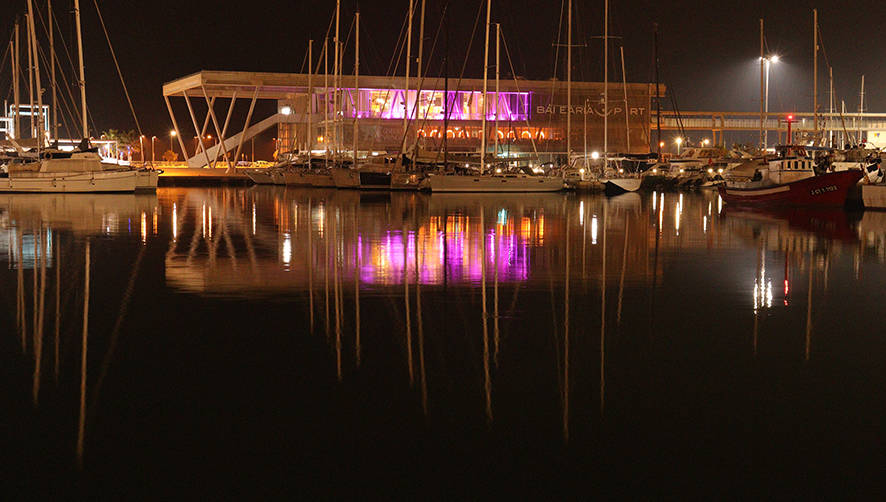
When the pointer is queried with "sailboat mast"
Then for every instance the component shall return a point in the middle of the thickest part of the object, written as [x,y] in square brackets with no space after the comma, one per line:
[51,23]
[657,91]
[624,85]
[33,41]
[356,84]
[30,75]
[309,136]
[832,104]
[335,68]
[406,89]
[418,71]
[485,78]
[326,99]
[568,81]
[82,81]
[446,90]
[762,87]
[605,84]
[815,69]
[860,108]
[497,74]
[16,64]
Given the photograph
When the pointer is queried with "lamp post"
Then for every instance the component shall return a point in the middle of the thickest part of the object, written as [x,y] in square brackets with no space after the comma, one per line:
[141,142]
[172,134]
[153,139]
[768,62]
[678,141]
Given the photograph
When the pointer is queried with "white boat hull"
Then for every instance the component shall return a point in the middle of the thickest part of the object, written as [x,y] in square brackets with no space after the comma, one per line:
[522,183]
[146,181]
[623,185]
[88,182]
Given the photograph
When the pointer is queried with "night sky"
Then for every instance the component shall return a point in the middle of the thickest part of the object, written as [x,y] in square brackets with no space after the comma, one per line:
[708,49]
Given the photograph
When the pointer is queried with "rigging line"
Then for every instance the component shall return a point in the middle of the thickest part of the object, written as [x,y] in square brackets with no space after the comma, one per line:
[395,61]
[3,61]
[61,37]
[64,103]
[115,332]
[517,86]
[301,69]
[62,78]
[399,48]
[422,82]
[470,45]
[117,64]
[554,80]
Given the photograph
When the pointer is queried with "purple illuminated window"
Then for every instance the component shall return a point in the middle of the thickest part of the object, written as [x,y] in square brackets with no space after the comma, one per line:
[463,105]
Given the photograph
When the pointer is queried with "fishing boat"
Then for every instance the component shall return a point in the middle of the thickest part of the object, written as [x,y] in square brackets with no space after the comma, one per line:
[790,180]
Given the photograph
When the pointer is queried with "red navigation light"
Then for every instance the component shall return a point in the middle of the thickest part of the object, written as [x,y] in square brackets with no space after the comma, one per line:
[790,117]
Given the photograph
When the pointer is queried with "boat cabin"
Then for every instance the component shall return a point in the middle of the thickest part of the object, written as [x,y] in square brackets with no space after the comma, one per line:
[792,163]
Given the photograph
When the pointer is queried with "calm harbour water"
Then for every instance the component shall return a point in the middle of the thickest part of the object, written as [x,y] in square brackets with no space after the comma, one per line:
[266,341]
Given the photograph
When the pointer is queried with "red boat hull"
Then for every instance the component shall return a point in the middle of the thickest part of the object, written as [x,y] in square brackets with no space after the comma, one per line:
[826,190]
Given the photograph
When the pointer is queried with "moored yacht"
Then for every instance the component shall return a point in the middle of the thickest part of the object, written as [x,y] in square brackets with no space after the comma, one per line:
[66,172]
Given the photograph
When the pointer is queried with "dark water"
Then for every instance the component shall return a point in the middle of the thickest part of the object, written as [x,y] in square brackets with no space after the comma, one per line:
[266,342]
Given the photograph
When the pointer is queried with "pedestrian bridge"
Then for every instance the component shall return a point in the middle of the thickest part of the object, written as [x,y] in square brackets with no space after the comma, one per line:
[719,122]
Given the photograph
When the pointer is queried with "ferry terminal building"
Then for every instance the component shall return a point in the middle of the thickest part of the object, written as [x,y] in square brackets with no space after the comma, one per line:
[531,114]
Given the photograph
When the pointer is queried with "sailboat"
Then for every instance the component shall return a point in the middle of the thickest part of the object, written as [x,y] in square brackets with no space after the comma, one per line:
[499,181]
[49,170]
[617,181]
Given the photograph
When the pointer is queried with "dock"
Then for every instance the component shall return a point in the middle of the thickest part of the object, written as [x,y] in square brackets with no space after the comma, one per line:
[874,196]
[179,176]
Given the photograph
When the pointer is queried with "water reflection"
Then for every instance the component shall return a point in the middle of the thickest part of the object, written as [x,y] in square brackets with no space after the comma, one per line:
[38,230]
[556,308]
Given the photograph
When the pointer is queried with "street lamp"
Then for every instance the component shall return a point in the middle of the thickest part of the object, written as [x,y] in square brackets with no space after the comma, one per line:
[768,62]
[706,142]
[153,139]
[172,134]
[141,142]
[678,141]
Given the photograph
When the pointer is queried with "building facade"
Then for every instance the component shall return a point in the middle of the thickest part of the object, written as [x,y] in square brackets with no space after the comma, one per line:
[524,118]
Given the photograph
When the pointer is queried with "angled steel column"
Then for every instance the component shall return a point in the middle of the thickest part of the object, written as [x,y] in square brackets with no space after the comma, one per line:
[178,133]
[218,132]
[246,125]
[200,133]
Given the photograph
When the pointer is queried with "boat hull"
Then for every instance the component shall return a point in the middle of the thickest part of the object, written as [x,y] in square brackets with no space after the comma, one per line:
[260,177]
[146,181]
[457,183]
[308,179]
[826,190]
[619,186]
[94,182]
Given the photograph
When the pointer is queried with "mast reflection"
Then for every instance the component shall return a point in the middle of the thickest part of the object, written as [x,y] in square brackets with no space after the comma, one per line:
[38,228]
